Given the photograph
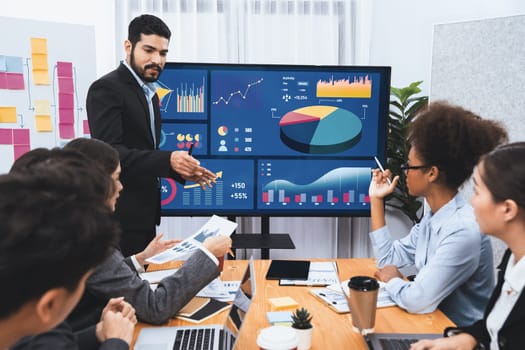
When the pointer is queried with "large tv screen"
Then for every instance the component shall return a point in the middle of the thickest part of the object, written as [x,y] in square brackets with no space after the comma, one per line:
[284,140]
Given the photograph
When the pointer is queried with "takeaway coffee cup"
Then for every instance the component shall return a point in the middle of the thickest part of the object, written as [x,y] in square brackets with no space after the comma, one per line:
[277,338]
[363,303]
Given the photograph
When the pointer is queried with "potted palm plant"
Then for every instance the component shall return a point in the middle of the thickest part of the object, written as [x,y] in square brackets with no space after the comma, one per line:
[404,106]
[301,321]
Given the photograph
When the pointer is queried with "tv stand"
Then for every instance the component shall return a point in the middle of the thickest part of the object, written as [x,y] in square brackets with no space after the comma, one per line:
[265,240]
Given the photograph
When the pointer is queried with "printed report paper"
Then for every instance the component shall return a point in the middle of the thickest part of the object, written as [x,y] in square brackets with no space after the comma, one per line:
[214,227]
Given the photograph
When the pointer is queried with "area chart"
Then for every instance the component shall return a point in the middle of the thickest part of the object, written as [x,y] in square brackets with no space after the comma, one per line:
[320,129]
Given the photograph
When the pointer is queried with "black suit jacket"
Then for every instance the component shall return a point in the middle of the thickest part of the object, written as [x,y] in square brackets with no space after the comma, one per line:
[118,114]
[512,335]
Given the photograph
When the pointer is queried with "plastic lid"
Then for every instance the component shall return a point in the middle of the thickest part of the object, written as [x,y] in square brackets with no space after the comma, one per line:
[363,283]
[277,338]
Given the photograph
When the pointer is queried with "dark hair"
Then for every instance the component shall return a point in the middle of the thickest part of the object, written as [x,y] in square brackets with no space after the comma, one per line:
[33,161]
[147,24]
[503,172]
[97,151]
[453,139]
[53,228]
[28,159]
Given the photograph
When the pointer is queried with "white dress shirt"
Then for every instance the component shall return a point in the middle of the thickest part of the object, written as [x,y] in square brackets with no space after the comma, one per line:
[511,290]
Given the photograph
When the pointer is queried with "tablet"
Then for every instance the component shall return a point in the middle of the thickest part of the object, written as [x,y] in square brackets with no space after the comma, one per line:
[288,269]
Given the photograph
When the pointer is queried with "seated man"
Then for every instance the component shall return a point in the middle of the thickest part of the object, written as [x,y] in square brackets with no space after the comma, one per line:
[54,231]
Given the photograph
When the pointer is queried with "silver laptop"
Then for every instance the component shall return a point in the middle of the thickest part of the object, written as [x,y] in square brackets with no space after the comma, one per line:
[396,341]
[212,337]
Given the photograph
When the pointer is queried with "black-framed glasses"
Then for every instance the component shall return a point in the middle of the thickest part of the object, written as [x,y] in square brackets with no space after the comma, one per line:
[406,167]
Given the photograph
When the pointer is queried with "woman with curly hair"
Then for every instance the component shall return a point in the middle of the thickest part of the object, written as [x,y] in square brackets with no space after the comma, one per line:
[453,259]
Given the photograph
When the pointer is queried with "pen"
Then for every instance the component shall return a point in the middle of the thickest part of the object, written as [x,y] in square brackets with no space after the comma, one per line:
[190,150]
[230,251]
[382,169]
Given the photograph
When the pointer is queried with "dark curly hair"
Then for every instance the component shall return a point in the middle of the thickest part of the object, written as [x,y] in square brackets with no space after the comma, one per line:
[453,139]
[147,24]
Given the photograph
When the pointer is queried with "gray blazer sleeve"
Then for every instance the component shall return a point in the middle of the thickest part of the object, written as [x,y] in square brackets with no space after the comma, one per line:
[115,278]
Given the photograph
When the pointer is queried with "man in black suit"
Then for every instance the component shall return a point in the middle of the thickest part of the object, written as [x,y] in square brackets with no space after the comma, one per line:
[123,110]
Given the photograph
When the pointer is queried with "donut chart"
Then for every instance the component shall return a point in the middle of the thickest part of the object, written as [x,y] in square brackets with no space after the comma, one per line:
[320,129]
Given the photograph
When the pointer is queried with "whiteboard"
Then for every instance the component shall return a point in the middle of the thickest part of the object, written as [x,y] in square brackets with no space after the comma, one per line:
[70,44]
[480,66]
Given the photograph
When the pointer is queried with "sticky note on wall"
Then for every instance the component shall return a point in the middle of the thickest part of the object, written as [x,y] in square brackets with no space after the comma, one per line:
[7,114]
[39,61]
[43,115]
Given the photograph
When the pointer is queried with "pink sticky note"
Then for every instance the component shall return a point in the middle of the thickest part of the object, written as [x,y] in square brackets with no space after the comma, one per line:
[66,115]
[6,136]
[3,80]
[66,100]
[65,69]
[66,131]
[20,150]
[15,81]
[21,137]
[85,126]
[65,84]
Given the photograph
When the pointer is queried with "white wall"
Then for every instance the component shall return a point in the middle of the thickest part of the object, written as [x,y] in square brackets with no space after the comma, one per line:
[98,13]
[402,31]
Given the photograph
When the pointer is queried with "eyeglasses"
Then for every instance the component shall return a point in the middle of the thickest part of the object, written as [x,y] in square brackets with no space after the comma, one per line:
[405,167]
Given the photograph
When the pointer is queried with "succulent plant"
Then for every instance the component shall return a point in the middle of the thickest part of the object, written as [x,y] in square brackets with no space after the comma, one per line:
[301,319]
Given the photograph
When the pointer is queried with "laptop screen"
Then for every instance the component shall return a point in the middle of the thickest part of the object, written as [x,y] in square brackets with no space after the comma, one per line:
[241,303]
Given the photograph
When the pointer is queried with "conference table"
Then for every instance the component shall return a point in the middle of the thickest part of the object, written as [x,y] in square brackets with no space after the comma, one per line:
[331,330]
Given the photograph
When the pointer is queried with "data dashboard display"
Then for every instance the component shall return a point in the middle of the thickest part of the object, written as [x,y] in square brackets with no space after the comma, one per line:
[283,140]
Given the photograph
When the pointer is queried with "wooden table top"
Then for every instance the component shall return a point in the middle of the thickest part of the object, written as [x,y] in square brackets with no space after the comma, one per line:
[327,323]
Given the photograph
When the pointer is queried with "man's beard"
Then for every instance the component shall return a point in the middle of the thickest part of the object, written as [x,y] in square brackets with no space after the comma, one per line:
[141,72]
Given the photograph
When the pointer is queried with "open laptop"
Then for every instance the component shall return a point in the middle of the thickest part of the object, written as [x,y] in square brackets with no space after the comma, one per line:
[213,336]
[396,341]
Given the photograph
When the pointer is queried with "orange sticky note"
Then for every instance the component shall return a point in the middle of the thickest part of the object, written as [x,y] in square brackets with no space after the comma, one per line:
[7,114]
[39,45]
[41,77]
[43,123]
[39,61]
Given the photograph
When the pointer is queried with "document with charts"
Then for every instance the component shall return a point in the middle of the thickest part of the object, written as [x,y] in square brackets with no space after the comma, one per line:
[383,299]
[214,227]
[321,273]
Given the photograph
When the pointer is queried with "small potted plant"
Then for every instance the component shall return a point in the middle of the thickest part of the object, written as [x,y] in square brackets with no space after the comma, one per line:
[301,321]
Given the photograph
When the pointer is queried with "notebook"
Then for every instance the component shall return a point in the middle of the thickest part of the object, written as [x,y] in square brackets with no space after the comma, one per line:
[214,336]
[396,341]
[288,269]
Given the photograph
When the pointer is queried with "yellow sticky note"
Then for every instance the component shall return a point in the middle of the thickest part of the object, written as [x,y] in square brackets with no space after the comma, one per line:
[282,303]
[39,45]
[7,114]
[41,77]
[42,107]
[43,123]
[39,61]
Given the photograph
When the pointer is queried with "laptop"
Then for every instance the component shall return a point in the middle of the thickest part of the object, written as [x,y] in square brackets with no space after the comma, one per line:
[213,336]
[396,341]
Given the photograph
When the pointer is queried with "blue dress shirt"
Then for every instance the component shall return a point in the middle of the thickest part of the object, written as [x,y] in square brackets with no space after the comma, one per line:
[453,259]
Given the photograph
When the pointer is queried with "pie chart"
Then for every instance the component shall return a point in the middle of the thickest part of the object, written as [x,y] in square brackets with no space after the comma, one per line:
[320,129]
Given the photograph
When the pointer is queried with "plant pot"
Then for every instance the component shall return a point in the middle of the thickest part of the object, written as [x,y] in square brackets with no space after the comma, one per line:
[304,337]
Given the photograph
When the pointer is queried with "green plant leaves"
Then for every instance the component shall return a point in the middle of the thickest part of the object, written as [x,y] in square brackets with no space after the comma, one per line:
[404,106]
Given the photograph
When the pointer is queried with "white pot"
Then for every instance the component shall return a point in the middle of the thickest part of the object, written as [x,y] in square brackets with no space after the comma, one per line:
[304,338]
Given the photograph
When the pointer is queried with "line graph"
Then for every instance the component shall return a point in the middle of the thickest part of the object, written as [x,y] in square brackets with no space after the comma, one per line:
[238,92]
